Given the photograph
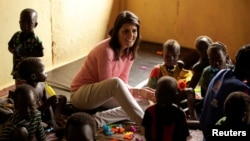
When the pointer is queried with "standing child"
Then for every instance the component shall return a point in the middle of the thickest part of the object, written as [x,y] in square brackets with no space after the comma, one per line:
[25,43]
[32,71]
[165,121]
[80,127]
[172,67]
[25,123]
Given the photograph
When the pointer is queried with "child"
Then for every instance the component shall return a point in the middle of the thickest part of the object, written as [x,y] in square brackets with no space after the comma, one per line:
[24,43]
[32,71]
[237,111]
[80,127]
[25,122]
[217,54]
[222,84]
[236,115]
[171,67]
[165,121]
[201,44]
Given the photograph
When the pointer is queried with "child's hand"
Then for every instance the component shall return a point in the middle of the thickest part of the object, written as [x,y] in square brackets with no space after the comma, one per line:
[53,100]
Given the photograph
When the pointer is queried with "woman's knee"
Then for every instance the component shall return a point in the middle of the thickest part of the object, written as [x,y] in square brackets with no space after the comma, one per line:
[116,81]
[21,134]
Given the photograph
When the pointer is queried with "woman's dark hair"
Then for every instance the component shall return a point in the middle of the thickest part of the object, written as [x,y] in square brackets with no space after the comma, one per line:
[242,68]
[123,18]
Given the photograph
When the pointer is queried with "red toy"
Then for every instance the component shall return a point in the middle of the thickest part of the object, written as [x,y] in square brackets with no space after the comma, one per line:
[182,84]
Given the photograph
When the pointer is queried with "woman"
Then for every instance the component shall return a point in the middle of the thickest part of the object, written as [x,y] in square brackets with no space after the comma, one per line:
[102,80]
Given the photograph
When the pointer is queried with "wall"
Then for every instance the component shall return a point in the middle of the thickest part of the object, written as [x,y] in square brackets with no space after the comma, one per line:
[77,26]
[223,20]
[67,28]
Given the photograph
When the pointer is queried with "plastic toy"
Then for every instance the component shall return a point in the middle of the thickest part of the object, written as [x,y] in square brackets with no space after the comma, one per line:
[129,135]
[182,84]
[107,130]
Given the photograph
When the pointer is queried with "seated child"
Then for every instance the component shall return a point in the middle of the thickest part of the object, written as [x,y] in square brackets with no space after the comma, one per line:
[236,115]
[217,54]
[201,44]
[222,84]
[80,126]
[32,71]
[236,111]
[165,120]
[25,123]
[172,66]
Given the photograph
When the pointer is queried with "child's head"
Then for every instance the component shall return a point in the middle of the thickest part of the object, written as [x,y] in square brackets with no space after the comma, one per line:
[25,101]
[171,52]
[237,108]
[80,127]
[242,67]
[32,70]
[201,44]
[217,55]
[28,20]
[166,91]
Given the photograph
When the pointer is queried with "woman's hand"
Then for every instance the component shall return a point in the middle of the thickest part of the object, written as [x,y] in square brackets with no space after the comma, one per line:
[145,93]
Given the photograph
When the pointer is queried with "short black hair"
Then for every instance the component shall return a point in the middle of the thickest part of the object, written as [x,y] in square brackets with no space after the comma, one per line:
[23,90]
[81,118]
[241,66]
[202,41]
[28,12]
[217,45]
[166,91]
[27,66]
[236,105]
[243,55]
